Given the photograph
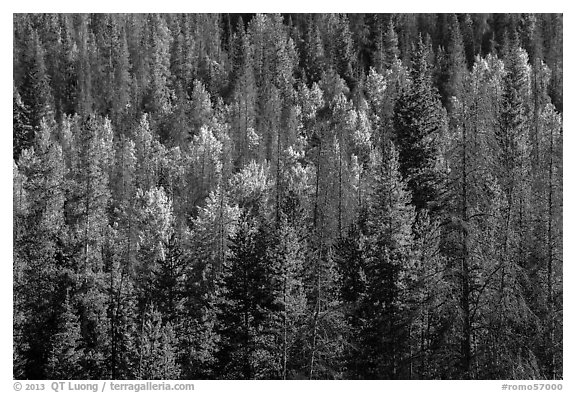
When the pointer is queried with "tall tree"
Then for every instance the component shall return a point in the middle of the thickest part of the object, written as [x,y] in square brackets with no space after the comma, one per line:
[390,260]
[23,133]
[35,89]
[247,310]
[38,249]
[419,122]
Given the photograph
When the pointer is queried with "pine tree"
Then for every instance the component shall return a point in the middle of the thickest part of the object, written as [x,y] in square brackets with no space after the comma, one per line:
[65,360]
[287,257]
[89,198]
[513,120]
[20,210]
[23,132]
[86,63]
[38,249]
[155,224]
[244,109]
[419,122]
[149,154]
[157,348]
[204,167]
[467,205]
[390,46]
[122,78]
[122,305]
[246,313]
[35,90]
[206,249]
[344,52]
[68,88]
[389,263]
[200,108]
[90,191]
[546,251]
[323,344]
[350,258]
[313,52]
[158,100]
[454,69]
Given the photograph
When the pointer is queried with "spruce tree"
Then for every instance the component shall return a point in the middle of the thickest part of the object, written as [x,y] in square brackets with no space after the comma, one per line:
[246,313]
[35,90]
[39,248]
[419,122]
[390,259]
[65,360]
[23,133]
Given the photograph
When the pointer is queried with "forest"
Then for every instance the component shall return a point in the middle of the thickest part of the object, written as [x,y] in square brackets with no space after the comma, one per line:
[287,196]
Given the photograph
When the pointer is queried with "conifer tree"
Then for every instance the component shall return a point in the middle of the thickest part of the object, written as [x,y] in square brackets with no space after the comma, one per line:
[122,307]
[200,108]
[454,69]
[287,257]
[390,46]
[38,247]
[344,53]
[244,109]
[246,315]
[389,263]
[313,51]
[65,360]
[68,89]
[206,249]
[35,90]
[23,132]
[158,100]
[157,357]
[419,121]
[155,219]
[122,78]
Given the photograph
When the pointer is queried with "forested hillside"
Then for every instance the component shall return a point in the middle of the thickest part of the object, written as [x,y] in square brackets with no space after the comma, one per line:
[295,196]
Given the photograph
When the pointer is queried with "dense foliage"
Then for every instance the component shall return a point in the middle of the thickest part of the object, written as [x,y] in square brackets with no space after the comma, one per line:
[287,196]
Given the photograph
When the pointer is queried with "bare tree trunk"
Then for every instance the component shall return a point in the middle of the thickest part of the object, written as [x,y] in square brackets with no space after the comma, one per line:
[550,257]
[465,299]
[340,187]
[87,221]
[315,326]
[317,192]
[285,338]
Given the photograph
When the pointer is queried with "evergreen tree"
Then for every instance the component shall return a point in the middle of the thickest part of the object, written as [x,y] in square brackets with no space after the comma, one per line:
[390,46]
[419,122]
[244,109]
[157,358]
[313,51]
[23,132]
[389,263]
[66,353]
[454,69]
[35,90]
[246,315]
[38,248]
[207,248]
[287,257]
[68,87]
[158,100]
[344,53]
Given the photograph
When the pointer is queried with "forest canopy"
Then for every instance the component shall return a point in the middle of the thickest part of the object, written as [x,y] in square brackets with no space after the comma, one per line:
[288,196]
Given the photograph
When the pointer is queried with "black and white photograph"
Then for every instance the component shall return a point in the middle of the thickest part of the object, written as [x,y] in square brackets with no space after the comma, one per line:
[289,196]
